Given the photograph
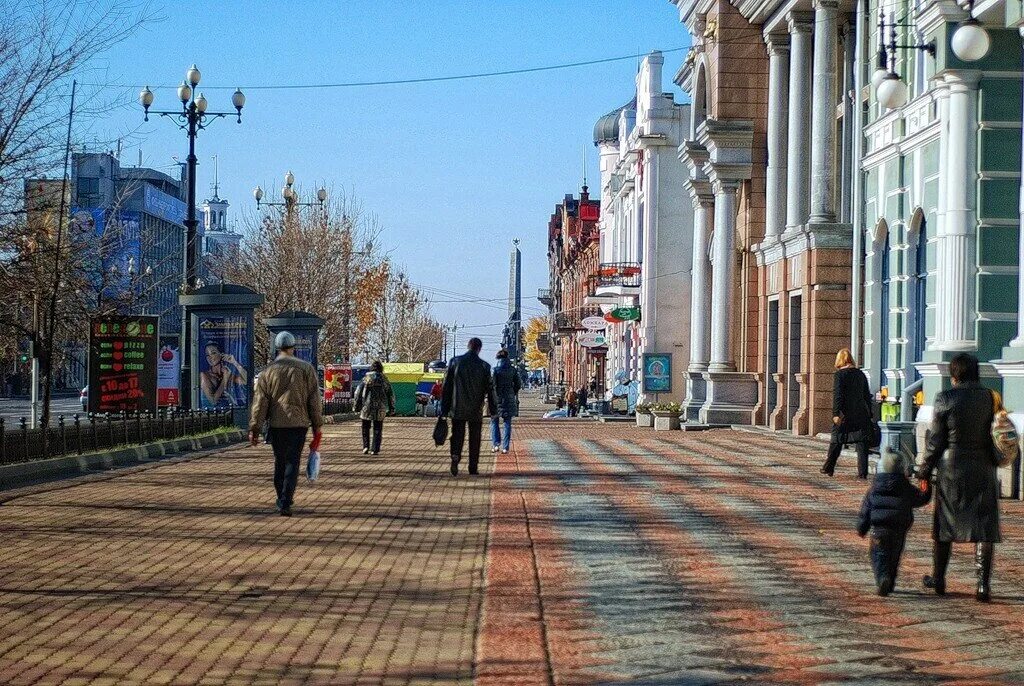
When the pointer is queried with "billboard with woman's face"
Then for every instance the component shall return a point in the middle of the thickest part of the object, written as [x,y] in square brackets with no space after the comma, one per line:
[223,360]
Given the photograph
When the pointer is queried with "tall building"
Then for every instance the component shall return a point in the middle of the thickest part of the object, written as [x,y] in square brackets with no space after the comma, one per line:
[136,216]
[646,231]
[220,240]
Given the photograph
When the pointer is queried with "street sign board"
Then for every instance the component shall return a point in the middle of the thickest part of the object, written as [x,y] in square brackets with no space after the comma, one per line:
[657,372]
[629,314]
[594,323]
[123,364]
[168,366]
[591,339]
[338,382]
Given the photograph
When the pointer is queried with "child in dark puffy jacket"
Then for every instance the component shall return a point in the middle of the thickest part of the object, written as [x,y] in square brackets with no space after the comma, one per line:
[888,512]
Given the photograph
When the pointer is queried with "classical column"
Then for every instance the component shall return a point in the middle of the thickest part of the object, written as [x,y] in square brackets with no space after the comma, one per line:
[700,286]
[823,112]
[778,108]
[799,111]
[956,251]
[724,276]
[1018,342]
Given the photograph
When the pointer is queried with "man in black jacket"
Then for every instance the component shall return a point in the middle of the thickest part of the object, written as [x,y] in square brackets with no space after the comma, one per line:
[467,383]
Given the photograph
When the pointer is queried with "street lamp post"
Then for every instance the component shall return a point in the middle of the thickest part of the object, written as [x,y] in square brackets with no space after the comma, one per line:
[191,118]
[290,197]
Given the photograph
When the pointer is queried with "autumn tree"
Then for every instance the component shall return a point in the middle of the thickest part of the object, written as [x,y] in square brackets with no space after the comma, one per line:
[535,359]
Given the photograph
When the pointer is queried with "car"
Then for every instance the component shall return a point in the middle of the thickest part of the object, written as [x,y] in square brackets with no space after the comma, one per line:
[83,397]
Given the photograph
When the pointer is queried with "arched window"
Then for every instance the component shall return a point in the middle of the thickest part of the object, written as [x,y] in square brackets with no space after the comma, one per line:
[883,309]
[699,111]
[919,282]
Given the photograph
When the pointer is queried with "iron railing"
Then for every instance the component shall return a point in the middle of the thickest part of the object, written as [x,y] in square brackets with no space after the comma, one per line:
[337,407]
[79,434]
[626,274]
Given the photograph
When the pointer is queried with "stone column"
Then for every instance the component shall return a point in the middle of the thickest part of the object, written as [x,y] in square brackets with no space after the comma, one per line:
[1018,342]
[700,288]
[778,108]
[955,250]
[823,116]
[799,111]
[724,276]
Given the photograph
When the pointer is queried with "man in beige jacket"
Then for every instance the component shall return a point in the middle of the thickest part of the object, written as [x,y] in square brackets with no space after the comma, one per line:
[288,396]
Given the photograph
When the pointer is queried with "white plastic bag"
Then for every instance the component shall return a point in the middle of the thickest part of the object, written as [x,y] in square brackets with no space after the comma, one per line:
[313,465]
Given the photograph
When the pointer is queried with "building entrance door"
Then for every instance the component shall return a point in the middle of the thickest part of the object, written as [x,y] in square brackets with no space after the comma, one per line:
[772,363]
[793,363]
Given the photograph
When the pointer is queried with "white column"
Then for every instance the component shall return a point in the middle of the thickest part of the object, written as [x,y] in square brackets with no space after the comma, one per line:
[723,277]
[799,111]
[956,251]
[778,108]
[648,227]
[700,284]
[823,112]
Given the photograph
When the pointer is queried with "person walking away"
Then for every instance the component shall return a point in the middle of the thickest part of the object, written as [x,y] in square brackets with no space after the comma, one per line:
[962,454]
[582,398]
[888,513]
[507,385]
[435,397]
[851,414]
[287,397]
[375,399]
[467,384]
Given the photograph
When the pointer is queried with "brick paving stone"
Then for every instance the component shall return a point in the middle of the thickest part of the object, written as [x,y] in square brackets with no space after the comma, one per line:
[183,573]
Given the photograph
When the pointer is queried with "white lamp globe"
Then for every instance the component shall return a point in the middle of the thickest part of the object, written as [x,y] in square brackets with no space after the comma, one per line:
[878,77]
[193,74]
[892,92]
[970,41]
[184,92]
[238,99]
[257,193]
[202,103]
[289,179]
[146,97]
[321,194]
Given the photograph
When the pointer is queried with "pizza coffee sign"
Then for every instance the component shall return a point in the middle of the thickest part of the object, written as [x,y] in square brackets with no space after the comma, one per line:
[123,364]
[592,339]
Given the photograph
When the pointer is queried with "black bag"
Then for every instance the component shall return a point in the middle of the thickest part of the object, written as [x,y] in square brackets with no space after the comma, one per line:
[440,431]
[876,435]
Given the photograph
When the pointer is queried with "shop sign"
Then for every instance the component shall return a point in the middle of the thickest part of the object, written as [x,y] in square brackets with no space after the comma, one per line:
[657,372]
[594,323]
[628,314]
[592,339]
[123,364]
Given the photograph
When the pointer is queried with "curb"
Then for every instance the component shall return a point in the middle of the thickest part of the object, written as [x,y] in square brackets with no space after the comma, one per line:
[29,473]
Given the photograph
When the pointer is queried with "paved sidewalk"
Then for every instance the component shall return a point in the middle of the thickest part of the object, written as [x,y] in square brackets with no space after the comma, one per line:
[183,573]
[621,555]
[595,554]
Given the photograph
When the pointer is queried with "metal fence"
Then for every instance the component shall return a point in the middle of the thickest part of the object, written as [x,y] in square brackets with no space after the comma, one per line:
[337,407]
[90,433]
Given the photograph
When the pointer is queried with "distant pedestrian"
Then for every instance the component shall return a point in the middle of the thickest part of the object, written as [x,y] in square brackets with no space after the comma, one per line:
[375,399]
[467,384]
[435,397]
[507,385]
[888,513]
[571,402]
[961,450]
[288,397]
[851,414]
[582,398]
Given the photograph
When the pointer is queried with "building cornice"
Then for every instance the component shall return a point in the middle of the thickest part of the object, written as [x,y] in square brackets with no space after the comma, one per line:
[728,143]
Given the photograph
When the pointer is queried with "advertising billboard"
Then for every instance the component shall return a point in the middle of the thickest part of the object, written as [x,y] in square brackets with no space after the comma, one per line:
[657,372]
[222,357]
[338,382]
[123,364]
[168,372]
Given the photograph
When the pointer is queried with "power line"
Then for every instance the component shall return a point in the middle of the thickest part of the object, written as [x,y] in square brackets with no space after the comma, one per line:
[400,82]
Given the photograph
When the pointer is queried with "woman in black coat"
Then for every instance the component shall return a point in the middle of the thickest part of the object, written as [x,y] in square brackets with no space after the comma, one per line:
[851,414]
[961,450]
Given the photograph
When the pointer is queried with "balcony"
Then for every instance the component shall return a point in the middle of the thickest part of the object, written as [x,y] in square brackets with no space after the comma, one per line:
[544,296]
[564,323]
[616,283]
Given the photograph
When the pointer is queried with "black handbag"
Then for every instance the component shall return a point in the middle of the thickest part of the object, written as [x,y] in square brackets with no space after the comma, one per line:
[440,431]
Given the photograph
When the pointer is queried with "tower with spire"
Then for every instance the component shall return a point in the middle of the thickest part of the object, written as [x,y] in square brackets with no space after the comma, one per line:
[218,238]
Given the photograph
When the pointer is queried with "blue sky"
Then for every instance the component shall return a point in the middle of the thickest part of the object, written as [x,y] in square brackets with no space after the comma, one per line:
[453,170]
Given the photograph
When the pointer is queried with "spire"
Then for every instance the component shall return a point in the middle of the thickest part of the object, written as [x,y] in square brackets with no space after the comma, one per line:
[216,185]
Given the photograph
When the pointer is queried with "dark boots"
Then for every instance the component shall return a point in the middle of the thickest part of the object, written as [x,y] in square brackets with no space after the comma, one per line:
[983,570]
[940,560]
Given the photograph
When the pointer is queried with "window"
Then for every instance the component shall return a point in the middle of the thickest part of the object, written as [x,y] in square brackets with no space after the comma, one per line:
[883,311]
[87,192]
[920,284]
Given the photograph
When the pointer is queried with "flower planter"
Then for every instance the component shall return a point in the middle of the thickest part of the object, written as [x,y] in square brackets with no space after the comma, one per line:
[644,419]
[666,421]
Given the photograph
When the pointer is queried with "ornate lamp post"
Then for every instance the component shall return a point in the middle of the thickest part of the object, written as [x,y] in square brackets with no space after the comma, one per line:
[290,197]
[191,118]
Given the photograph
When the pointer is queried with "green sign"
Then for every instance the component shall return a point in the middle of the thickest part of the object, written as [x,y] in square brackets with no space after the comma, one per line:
[628,314]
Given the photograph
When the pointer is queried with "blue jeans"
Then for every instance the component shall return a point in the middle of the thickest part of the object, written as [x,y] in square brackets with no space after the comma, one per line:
[496,434]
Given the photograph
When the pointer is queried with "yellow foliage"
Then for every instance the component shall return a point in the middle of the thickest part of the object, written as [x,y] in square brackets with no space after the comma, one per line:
[535,359]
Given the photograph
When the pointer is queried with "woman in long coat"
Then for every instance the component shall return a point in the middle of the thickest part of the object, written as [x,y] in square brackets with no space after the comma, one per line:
[375,400]
[506,388]
[961,451]
[851,414]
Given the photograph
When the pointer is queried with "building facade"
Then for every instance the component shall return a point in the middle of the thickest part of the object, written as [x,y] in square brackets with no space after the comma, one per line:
[766,150]
[646,230]
[573,241]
